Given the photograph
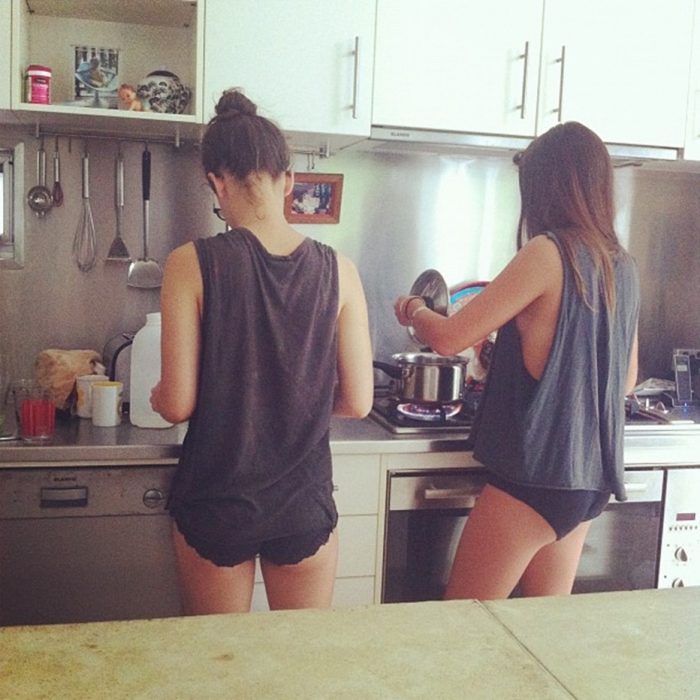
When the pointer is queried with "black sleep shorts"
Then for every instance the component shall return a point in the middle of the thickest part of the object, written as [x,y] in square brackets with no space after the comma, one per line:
[563,509]
[221,547]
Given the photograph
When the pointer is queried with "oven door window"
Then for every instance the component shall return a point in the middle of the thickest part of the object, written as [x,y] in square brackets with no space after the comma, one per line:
[422,548]
[620,552]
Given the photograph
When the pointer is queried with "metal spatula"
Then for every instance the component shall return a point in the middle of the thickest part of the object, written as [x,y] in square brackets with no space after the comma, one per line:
[117,250]
[145,272]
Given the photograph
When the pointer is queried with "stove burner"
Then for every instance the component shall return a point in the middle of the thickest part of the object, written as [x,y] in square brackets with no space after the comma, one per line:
[430,412]
[404,417]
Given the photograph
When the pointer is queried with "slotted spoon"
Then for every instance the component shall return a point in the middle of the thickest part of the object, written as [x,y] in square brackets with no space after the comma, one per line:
[118,251]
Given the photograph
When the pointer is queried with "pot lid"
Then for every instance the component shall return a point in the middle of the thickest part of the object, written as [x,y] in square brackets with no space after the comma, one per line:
[430,285]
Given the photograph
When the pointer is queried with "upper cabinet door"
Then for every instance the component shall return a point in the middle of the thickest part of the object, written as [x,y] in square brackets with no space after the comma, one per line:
[306,63]
[458,65]
[621,68]
[692,136]
[5,51]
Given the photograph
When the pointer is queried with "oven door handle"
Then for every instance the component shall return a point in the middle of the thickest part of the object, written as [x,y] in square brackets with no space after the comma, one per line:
[433,494]
[636,487]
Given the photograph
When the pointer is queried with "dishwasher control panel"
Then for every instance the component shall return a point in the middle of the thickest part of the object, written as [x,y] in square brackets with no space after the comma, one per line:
[85,491]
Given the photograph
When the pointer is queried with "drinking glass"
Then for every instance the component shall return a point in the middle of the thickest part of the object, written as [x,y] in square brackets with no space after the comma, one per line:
[35,411]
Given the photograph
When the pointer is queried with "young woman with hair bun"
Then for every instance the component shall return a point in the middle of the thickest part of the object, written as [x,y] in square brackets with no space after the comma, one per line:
[265,335]
[549,429]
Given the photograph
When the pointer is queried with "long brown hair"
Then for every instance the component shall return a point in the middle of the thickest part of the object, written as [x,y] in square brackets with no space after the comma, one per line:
[566,185]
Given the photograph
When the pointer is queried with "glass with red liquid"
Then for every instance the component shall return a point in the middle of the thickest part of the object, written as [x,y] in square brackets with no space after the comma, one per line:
[35,410]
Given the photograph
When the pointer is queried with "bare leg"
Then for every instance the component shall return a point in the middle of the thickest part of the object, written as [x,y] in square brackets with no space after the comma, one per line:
[500,538]
[553,569]
[308,584]
[207,588]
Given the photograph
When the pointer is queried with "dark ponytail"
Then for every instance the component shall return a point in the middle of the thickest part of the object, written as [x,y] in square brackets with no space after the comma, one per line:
[241,142]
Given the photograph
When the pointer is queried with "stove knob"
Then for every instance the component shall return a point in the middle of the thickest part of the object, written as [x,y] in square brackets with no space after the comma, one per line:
[677,583]
[153,498]
[680,554]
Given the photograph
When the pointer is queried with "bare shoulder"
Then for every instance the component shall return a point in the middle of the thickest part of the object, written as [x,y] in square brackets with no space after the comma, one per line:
[540,257]
[347,271]
[182,255]
[349,283]
[541,248]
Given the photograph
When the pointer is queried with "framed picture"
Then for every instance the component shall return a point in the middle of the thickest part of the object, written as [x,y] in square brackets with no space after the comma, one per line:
[95,74]
[315,199]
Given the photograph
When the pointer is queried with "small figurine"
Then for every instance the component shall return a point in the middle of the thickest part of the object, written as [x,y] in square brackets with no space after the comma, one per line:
[128,98]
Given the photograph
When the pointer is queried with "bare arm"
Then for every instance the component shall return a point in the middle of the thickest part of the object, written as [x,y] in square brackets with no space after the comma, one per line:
[533,272]
[180,300]
[355,386]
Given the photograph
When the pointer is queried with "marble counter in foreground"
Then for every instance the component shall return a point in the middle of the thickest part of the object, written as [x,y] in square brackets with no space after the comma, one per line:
[638,644]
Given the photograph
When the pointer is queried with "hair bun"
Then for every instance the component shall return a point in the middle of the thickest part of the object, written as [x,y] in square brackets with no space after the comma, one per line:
[234,103]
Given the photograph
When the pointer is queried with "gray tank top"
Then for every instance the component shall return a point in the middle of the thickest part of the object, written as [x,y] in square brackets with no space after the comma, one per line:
[565,430]
[257,444]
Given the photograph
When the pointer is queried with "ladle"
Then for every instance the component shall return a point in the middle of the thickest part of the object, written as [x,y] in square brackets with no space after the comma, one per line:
[39,197]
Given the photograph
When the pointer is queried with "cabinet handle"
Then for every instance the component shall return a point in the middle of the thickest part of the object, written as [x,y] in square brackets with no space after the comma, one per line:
[435,494]
[356,76]
[525,56]
[561,60]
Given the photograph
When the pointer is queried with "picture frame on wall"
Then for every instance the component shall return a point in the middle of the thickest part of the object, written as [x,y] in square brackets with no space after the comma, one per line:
[314,199]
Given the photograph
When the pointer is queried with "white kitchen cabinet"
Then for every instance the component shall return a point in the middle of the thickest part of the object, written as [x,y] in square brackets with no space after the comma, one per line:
[356,492]
[5,37]
[160,34]
[307,64]
[458,65]
[692,133]
[621,68]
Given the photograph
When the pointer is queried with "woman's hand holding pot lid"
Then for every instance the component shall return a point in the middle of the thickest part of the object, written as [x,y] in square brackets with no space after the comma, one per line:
[406,307]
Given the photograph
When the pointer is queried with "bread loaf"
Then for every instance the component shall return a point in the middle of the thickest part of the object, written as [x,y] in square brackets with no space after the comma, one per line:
[57,370]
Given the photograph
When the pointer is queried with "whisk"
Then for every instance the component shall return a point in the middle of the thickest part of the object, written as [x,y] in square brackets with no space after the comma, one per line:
[84,246]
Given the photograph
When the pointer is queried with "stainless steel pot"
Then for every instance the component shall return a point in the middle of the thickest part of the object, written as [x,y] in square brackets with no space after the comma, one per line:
[425,377]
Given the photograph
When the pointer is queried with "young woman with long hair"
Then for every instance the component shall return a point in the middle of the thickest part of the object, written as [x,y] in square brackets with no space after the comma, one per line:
[549,429]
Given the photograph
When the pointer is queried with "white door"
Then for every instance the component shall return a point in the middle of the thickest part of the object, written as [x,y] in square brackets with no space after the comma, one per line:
[621,68]
[306,63]
[457,65]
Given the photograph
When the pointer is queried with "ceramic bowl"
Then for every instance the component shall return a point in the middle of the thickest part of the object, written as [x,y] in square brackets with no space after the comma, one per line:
[163,91]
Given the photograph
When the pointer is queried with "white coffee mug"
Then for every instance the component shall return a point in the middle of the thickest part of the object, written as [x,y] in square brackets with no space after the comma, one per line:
[83,386]
[106,403]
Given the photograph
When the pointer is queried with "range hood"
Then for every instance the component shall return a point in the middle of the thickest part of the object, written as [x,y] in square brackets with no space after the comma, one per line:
[390,138]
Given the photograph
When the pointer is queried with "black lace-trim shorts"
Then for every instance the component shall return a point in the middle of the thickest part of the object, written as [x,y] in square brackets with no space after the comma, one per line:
[221,547]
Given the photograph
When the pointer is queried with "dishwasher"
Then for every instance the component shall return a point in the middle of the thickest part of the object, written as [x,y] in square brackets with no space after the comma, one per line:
[86,544]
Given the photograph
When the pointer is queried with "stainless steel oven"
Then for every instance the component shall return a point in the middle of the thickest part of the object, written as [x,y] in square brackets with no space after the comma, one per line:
[427,510]
[85,544]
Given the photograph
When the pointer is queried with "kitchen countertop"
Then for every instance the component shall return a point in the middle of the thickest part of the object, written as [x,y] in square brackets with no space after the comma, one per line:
[78,441]
[641,644]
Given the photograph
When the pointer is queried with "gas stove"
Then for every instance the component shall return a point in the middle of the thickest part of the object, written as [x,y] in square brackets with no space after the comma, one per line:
[660,409]
[416,419]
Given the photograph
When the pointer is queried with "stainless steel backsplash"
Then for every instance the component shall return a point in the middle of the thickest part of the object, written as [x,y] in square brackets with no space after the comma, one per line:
[402,212]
